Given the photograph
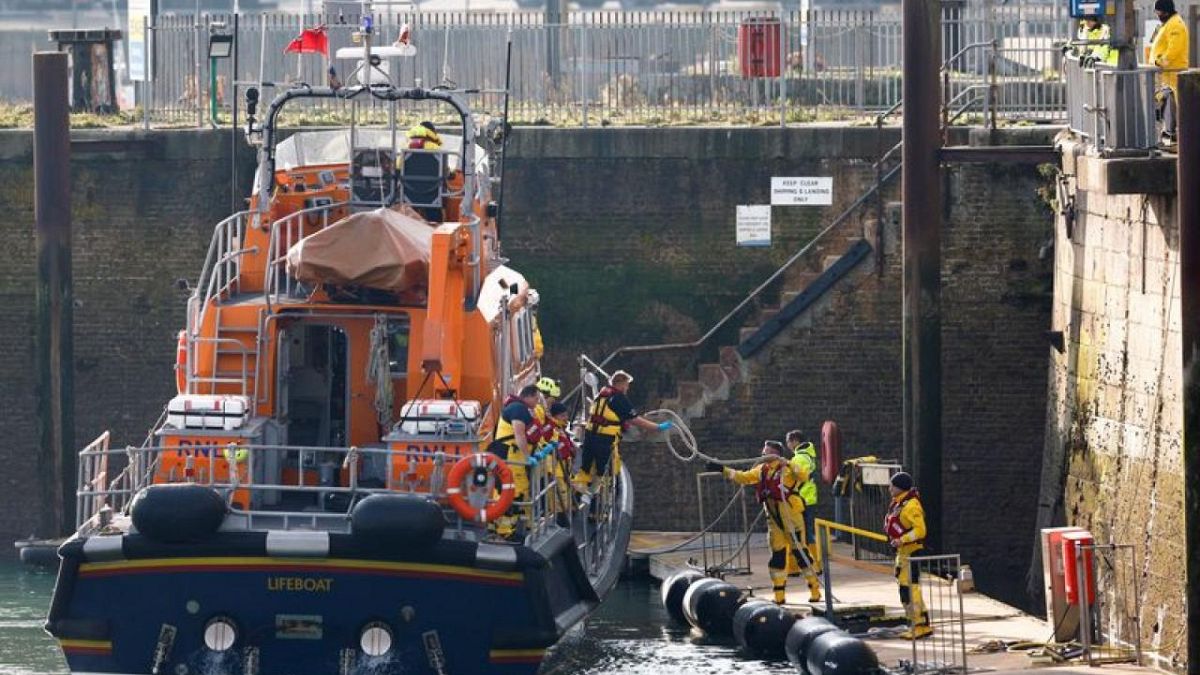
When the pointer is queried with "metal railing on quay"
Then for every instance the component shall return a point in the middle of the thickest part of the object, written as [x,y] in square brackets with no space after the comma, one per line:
[1112,110]
[945,649]
[725,525]
[869,502]
[590,67]
[1110,608]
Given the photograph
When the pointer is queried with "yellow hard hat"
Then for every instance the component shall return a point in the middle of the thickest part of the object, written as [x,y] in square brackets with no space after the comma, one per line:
[236,454]
[549,387]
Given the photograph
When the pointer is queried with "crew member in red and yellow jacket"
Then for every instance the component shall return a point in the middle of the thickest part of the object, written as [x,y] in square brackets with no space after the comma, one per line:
[564,456]
[777,486]
[904,526]
[610,413]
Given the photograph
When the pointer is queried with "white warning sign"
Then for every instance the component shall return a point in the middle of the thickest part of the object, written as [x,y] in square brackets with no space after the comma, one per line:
[753,225]
[810,191]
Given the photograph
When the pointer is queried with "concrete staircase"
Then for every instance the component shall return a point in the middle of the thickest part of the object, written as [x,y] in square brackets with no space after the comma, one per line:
[807,292]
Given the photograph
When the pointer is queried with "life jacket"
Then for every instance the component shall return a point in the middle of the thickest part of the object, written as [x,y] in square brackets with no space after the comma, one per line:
[504,429]
[542,430]
[421,137]
[566,447]
[770,485]
[602,419]
[891,522]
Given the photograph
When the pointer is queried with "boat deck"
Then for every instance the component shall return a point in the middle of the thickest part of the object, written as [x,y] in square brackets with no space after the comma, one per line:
[988,622]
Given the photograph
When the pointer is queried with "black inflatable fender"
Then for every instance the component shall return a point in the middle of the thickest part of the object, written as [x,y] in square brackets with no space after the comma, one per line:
[673,590]
[712,606]
[406,521]
[801,635]
[178,513]
[761,629]
[844,655]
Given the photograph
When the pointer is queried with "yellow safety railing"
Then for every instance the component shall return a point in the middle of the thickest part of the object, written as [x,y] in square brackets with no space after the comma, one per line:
[822,529]
[822,535]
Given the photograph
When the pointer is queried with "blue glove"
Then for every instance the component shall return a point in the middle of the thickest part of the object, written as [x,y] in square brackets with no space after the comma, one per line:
[532,461]
[665,426]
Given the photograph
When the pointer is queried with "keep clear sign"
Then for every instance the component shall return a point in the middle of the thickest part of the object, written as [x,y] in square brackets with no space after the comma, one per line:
[754,225]
[801,191]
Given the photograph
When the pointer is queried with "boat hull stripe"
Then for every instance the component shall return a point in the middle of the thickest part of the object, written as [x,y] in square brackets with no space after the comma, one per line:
[516,655]
[256,564]
[82,647]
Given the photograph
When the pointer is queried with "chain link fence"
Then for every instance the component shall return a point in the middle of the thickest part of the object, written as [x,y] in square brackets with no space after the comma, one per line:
[624,67]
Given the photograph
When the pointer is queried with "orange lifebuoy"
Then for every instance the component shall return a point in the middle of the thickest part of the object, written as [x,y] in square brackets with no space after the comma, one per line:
[487,474]
[181,363]
[831,449]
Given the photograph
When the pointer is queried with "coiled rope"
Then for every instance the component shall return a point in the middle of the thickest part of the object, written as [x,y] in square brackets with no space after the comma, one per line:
[688,449]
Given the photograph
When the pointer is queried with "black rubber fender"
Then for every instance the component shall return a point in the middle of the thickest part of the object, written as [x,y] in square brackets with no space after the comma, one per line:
[710,604]
[839,653]
[405,521]
[673,590]
[178,513]
[761,629]
[801,635]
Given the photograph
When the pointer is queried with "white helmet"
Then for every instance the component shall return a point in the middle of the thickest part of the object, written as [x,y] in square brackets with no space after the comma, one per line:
[533,297]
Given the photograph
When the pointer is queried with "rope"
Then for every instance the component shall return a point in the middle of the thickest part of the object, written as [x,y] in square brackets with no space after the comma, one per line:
[379,371]
[675,547]
[690,451]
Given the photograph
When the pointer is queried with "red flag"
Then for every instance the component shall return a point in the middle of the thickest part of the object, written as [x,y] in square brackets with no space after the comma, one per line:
[310,41]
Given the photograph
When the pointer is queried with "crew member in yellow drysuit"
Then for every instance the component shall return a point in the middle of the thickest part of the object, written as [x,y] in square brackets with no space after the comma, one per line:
[777,486]
[904,526]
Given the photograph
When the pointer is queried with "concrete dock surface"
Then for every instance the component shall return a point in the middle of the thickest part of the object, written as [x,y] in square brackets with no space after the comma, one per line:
[989,627]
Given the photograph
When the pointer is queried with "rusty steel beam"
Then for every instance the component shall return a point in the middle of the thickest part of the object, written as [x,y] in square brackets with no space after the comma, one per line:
[1187,177]
[53,295]
[922,214]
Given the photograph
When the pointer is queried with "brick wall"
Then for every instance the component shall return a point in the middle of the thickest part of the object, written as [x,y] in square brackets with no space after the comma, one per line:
[1114,459]
[143,207]
[847,367]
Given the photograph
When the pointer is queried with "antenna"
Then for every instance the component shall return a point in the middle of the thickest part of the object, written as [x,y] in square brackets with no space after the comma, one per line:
[504,126]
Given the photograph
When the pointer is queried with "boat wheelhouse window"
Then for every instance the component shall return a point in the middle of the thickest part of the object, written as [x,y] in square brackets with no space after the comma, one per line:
[523,324]
[398,331]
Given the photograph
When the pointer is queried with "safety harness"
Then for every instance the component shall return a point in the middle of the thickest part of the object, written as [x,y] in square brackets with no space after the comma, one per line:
[602,419]
[891,522]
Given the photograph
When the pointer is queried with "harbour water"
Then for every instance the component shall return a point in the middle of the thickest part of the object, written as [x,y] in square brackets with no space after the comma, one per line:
[628,635]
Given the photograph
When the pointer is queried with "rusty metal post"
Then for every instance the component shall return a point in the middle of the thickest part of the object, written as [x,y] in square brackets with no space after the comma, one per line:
[1188,172]
[922,214]
[54,297]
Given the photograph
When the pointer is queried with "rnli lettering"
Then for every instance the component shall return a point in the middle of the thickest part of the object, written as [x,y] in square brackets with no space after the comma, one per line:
[426,453]
[301,584]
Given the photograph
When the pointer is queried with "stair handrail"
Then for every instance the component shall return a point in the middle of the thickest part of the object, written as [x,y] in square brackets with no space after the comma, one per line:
[845,215]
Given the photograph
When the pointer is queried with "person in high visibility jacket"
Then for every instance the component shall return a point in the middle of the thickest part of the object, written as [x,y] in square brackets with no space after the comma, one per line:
[904,526]
[777,487]
[424,136]
[804,461]
[1168,51]
[1092,29]
[609,414]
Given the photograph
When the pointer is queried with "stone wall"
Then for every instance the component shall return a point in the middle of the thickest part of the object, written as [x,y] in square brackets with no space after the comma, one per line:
[1114,459]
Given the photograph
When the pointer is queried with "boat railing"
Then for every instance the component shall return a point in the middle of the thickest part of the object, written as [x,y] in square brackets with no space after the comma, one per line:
[239,471]
[222,265]
[285,233]
[232,346]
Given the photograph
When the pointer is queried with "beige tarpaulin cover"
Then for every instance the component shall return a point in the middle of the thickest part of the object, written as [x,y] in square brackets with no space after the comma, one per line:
[384,249]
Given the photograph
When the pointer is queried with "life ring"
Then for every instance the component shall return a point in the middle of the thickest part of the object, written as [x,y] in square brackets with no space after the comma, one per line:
[831,449]
[485,473]
[181,363]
